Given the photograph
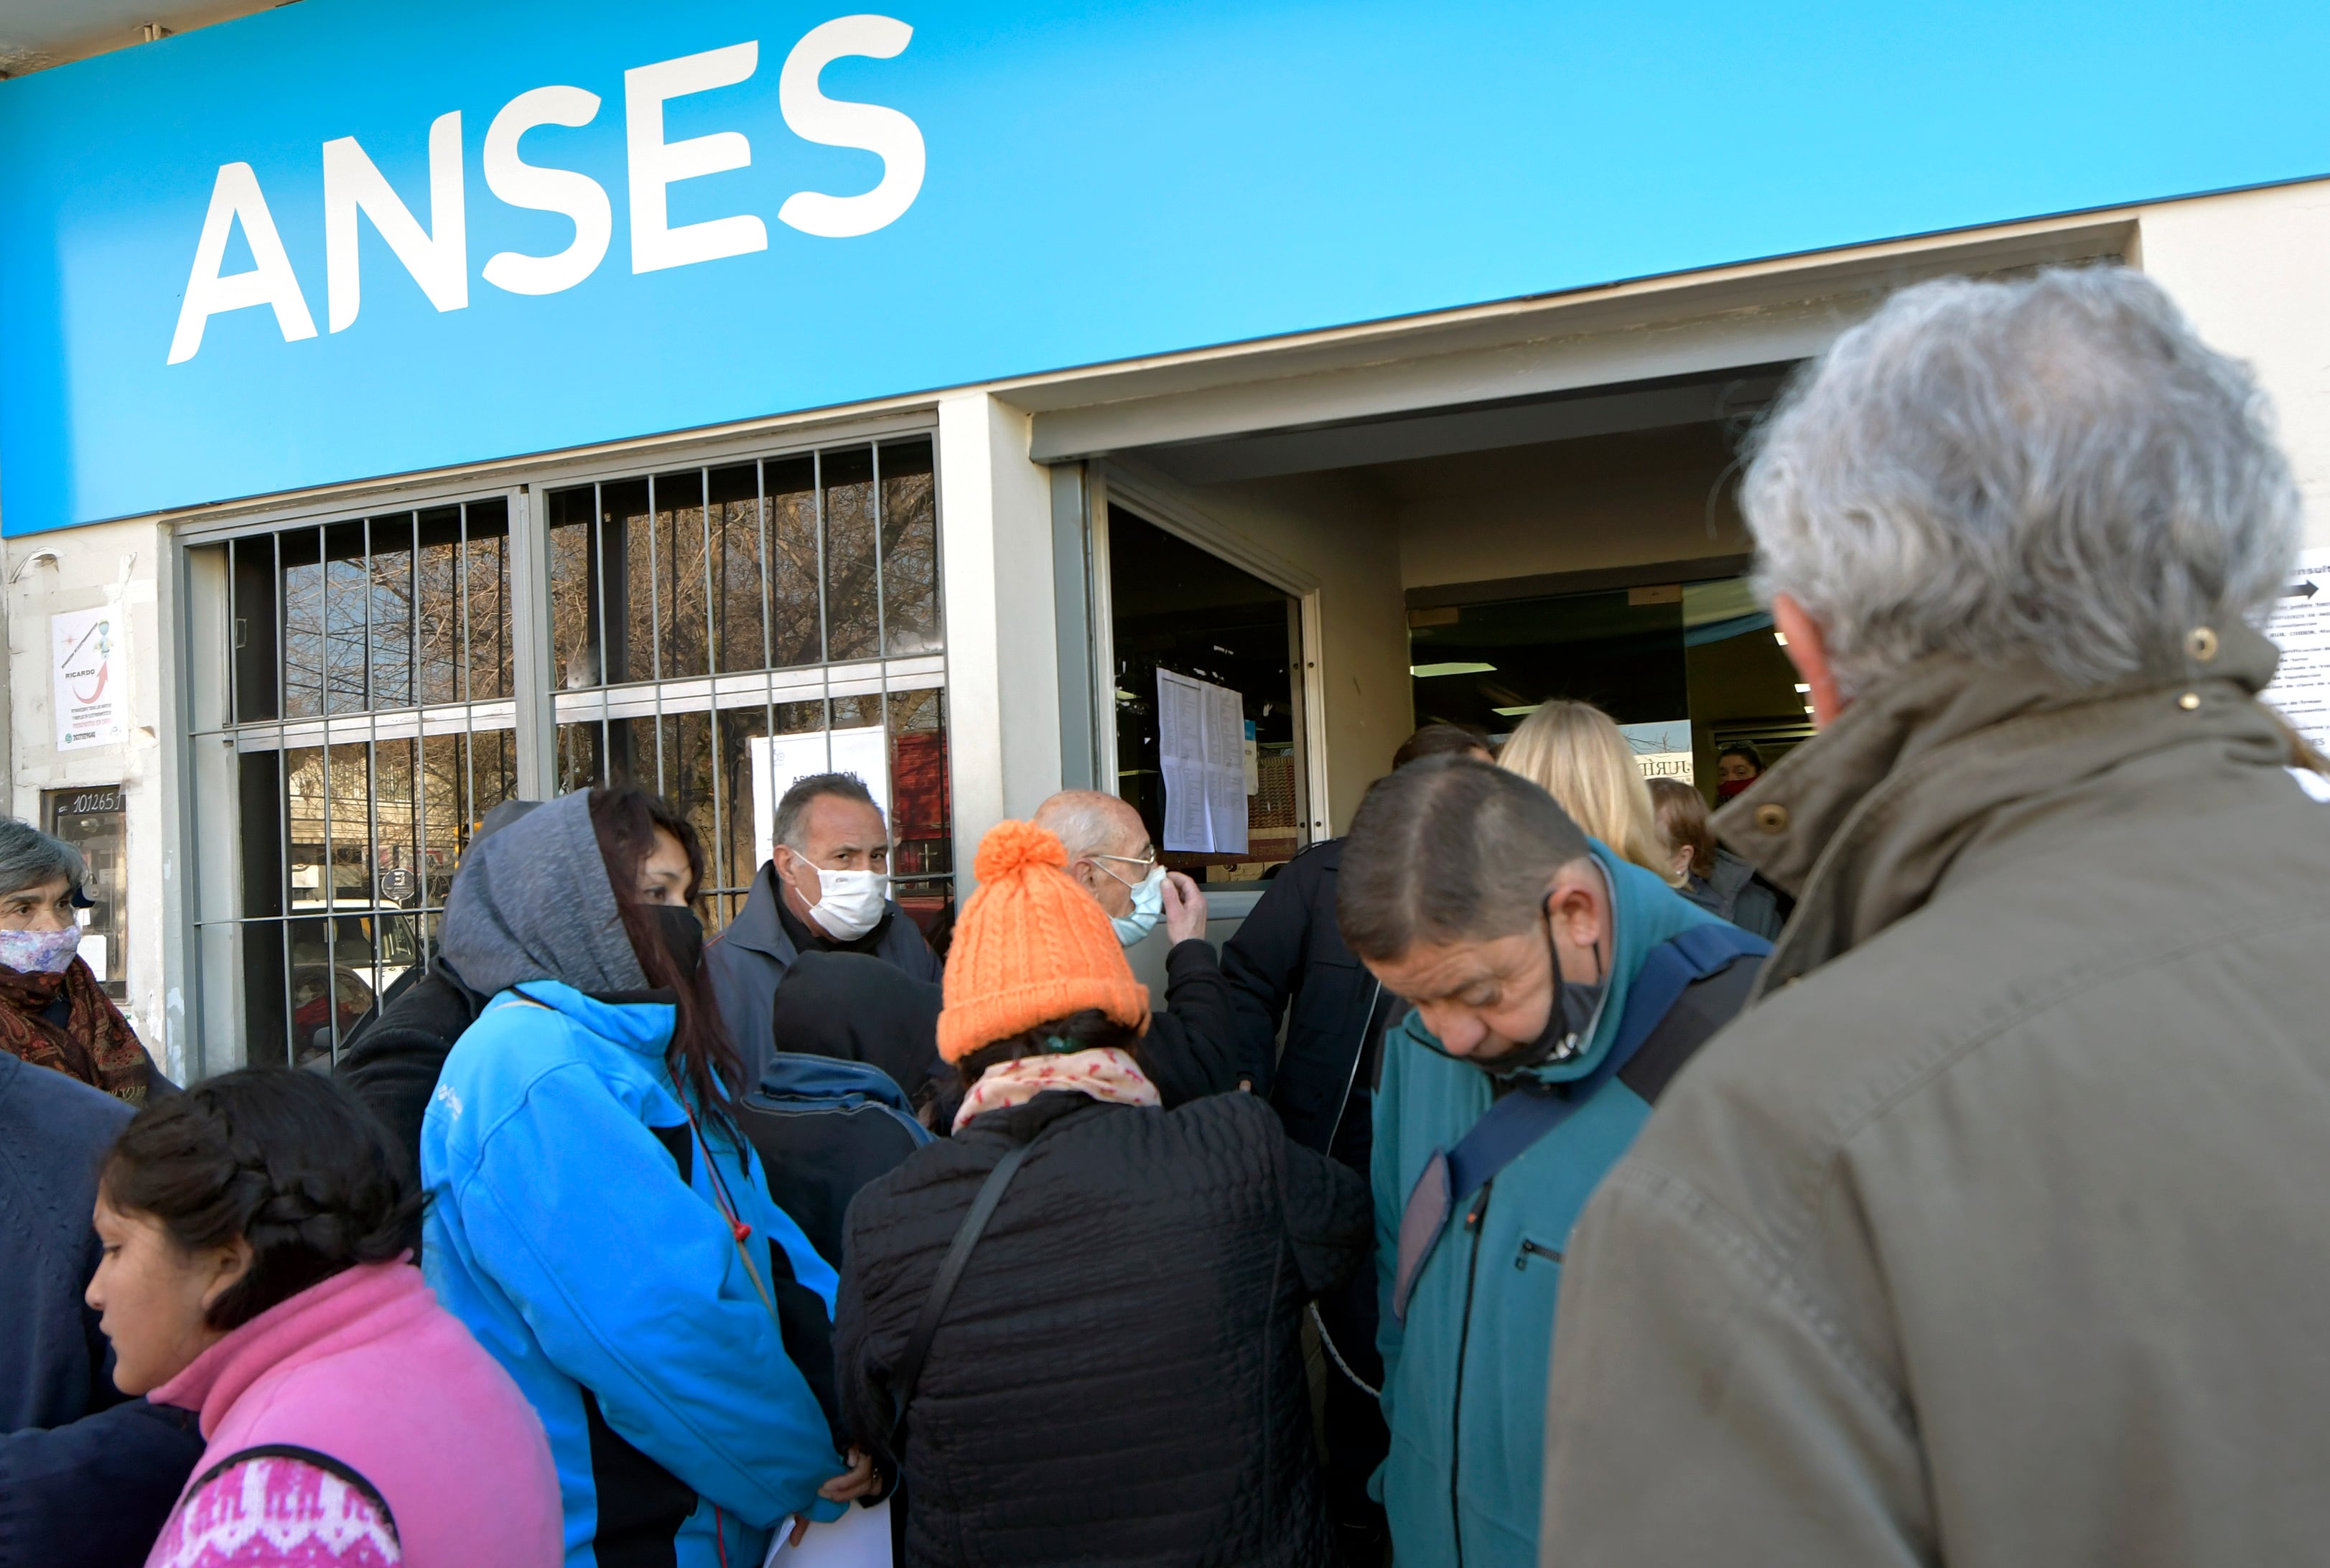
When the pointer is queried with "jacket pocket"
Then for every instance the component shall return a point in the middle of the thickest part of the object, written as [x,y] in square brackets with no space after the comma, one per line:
[1535,1252]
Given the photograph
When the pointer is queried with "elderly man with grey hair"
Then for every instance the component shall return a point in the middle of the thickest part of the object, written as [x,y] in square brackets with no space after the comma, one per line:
[1191,1047]
[1994,1231]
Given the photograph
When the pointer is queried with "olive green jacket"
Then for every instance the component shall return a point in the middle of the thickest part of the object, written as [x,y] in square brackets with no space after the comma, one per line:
[1997,1230]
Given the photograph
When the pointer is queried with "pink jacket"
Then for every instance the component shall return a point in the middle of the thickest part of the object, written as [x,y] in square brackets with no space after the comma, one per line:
[367,1370]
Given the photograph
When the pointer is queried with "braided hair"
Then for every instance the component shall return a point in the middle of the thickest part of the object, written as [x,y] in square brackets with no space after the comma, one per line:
[289,1160]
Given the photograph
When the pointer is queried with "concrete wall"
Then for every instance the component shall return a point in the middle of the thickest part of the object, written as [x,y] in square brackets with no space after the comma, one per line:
[2252,269]
[110,563]
[1602,501]
[1338,533]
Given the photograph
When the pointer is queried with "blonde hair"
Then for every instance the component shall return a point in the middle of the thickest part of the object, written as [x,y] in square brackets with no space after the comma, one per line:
[1574,753]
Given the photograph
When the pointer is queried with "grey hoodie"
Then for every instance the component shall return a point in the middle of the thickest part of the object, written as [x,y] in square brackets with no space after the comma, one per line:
[533,902]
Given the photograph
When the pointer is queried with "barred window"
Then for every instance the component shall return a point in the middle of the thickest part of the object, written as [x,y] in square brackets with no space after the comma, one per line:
[712,634]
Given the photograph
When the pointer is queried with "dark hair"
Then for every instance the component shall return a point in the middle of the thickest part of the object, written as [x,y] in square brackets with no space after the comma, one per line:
[1450,848]
[625,818]
[1440,740]
[1742,749]
[1088,1030]
[1682,817]
[796,801]
[289,1159]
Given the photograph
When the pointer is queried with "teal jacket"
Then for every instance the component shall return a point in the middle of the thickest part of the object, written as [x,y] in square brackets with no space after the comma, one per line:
[1465,1379]
[563,1231]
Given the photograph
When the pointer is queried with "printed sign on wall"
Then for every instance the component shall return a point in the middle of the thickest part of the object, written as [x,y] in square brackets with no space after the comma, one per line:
[82,644]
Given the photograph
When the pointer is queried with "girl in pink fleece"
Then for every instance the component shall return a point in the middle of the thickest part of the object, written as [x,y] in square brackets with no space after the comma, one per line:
[257,1270]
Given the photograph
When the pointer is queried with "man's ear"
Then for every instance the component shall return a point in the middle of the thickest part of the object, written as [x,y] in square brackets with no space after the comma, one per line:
[1807,649]
[1575,907]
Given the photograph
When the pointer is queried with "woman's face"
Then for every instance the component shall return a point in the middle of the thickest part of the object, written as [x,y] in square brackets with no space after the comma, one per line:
[45,906]
[664,872]
[153,1296]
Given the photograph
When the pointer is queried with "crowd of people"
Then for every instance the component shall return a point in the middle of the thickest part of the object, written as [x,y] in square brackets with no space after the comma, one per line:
[1921,1155]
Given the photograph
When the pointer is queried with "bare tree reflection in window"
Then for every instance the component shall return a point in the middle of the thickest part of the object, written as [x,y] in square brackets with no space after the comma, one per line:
[852,606]
[910,549]
[790,484]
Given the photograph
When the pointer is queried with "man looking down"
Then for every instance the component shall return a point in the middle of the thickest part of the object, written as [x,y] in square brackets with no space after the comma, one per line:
[1556,989]
[825,888]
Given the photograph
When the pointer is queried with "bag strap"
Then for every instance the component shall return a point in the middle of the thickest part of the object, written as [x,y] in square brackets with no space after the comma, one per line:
[935,1305]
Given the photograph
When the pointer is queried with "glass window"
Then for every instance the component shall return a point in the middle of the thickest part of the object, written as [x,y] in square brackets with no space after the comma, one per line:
[793,626]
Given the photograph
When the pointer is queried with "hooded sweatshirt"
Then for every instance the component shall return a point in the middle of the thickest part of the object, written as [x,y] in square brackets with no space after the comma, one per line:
[1465,1377]
[576,1227]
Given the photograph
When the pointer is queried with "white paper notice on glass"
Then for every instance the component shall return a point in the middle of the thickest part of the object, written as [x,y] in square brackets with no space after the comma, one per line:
[82,645]
[781,761]
[2300,625]
[1201,753]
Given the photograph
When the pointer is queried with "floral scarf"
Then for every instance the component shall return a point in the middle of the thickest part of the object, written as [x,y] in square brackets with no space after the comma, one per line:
[95,1045]
[1103,1073]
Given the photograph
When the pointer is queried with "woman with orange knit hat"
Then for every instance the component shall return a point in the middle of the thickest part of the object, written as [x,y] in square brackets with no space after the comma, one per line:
[1073,1328]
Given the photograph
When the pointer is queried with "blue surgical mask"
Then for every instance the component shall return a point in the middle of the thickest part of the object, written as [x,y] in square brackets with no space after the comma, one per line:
[1147,907]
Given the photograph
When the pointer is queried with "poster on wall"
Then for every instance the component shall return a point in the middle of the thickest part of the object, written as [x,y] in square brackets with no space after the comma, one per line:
[1201,753]
[1662,751]
[82,648]
[781,761]
[2299,625]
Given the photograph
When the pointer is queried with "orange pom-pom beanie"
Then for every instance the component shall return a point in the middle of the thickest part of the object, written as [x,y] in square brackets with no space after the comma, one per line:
[1031,946]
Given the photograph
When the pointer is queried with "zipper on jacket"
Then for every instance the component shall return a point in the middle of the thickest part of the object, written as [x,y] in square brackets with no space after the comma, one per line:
[1464,1341]
[1532,1250]
[1343,1106]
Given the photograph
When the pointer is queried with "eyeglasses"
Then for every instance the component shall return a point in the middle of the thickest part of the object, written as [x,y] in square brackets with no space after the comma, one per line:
[1147,862]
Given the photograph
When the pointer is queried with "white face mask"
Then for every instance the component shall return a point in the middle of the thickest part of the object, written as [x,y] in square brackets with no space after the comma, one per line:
[850,903]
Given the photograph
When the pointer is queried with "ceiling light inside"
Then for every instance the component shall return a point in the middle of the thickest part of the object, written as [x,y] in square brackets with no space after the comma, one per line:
[1459,667]
[1781,638]
[1804,685]
[1516,713]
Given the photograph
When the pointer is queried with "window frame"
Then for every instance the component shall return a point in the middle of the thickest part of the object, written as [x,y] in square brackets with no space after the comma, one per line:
[203,905]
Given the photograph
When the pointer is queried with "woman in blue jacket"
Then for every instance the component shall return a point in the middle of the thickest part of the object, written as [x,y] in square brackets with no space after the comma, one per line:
[593,1216]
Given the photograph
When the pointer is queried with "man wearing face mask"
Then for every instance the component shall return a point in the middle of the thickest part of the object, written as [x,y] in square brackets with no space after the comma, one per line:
[1193,1044]
[1557,988]
[825,889]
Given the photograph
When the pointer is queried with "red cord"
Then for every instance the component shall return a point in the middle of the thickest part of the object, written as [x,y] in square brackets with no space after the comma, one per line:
[720,1534]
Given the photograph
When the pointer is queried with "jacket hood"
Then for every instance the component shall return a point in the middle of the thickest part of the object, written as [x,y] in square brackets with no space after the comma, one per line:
[643,1023]
[824,1080]
[1863,822]
[857,1007]
[533,902]
[1644,913]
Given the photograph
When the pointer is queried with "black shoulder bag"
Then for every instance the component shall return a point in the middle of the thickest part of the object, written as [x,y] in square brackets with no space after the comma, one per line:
[926,1325]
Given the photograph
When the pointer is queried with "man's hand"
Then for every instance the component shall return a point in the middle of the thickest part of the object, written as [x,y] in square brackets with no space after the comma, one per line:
[1184,907]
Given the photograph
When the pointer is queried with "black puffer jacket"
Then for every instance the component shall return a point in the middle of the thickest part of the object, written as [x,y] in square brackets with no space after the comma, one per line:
[1118,1377]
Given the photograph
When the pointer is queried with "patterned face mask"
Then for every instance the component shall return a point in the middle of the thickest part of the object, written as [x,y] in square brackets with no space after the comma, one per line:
[40,952]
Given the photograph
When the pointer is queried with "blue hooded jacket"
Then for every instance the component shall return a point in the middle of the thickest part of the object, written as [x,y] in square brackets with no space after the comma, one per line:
[562,1231]
[1464,1378]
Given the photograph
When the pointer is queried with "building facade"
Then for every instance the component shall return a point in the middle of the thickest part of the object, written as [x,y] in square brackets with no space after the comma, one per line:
[704,399]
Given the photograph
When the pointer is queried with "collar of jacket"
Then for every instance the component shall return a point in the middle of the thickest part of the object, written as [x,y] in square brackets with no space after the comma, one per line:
[1644,913]
[353,1307]
[645,1027]
[1861,823]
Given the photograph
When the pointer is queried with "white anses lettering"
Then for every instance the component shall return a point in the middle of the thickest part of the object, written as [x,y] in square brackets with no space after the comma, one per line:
[657,164]
[833,122]
[577,197]
[235,197]
[438,257]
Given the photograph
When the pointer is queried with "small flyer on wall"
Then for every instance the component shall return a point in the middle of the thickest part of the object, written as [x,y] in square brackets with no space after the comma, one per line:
[2300,624]
[1201,753]
[81,645]
[780,761]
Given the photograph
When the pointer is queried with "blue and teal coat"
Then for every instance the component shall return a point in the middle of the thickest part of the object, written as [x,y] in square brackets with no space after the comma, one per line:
[1465,1377]
[575,1225]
